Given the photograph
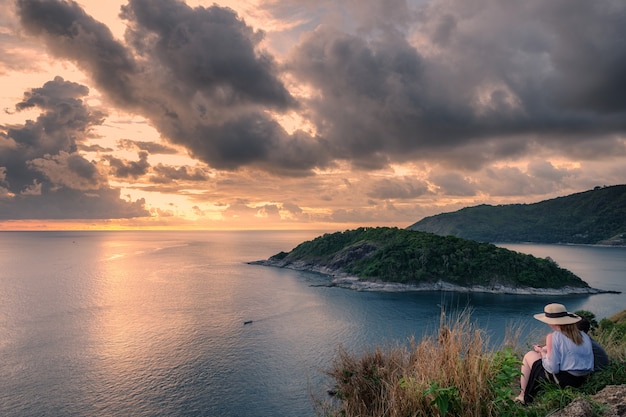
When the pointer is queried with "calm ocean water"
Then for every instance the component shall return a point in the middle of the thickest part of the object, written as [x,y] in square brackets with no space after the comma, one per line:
[152,323]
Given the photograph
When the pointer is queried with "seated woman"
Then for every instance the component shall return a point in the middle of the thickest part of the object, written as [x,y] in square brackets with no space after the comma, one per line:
[566,359]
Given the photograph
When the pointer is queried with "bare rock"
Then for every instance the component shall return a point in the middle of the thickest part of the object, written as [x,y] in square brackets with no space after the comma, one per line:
[615,397]
[580,407]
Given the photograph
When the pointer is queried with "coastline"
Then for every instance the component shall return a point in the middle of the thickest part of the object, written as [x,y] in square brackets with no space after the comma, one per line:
[343,280]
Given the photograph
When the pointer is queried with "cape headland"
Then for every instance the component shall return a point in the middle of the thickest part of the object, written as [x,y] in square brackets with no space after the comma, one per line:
[594,217]
[392,259]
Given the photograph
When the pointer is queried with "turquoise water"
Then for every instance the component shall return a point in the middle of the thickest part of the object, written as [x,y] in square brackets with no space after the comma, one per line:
[152,323]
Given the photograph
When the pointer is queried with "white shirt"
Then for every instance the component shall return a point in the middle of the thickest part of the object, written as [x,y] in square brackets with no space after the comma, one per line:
[568,356]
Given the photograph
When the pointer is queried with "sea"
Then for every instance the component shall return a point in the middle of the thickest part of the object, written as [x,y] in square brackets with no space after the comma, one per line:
[170,323]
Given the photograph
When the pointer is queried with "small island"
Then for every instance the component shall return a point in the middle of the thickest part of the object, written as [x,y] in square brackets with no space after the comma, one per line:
[393,259]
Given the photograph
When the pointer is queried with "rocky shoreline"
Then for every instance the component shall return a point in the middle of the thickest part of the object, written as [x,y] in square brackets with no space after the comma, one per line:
[340,279]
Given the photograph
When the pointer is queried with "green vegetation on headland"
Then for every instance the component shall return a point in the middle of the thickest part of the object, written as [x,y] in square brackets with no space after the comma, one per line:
[454,373]
[426,261]
[592,217]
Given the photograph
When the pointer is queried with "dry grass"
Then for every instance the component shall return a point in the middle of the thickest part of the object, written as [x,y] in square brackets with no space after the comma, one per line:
[448,374]
[613,342]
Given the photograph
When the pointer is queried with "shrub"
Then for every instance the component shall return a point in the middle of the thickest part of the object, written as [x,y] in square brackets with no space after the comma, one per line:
[449,374]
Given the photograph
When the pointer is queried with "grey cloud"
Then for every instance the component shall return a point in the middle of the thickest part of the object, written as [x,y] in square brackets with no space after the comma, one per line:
[53,94]
[450,81]
[210,49]
[67,203]
[511,181]
[589,53]
[198,75]
[479,73]
[545,171]
[69,170]
[150,147]
[165,174]
[68,31]
[401,188]
[375,101]
[94,148]
[257,140]
[64,121]
[356,15]
[43,175]
[129,169]
[16,51]
[453,184]
[62,124]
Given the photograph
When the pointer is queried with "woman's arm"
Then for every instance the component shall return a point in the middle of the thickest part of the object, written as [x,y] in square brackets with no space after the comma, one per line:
[549,344]
[551,357]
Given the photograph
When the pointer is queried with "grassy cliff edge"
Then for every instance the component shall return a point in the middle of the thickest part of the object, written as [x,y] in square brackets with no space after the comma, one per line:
[454,372]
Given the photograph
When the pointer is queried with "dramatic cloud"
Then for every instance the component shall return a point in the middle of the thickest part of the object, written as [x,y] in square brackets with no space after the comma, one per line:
[194,73]
[43,175]
[129,169]
[304,111]
[467,74]
[405,84]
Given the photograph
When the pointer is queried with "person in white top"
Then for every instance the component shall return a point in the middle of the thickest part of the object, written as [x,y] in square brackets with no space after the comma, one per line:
[566,358]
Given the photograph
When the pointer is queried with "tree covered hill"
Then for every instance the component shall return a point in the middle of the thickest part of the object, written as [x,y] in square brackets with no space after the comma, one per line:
[417,258]
[597,216]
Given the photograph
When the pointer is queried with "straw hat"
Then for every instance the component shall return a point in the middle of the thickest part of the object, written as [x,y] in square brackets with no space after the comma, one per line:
[557,314]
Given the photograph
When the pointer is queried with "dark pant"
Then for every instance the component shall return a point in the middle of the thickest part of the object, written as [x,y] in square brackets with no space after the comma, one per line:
[539,374]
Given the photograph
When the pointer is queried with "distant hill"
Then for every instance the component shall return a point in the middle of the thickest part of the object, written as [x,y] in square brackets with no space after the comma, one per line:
[423,259]
[597,216]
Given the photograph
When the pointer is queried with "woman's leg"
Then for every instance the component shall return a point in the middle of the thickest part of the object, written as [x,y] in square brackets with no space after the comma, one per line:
[527,365]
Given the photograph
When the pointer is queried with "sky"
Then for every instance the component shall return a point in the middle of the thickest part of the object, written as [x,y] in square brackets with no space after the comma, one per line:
[303,114]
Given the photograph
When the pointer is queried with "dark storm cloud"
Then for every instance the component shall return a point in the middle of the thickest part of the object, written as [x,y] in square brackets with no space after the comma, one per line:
[43,176]
[197,74]
[255,139]
[370,97]
[589,53]
[465,74]
[63,123]
[462,83]
[209,48]
[69,32]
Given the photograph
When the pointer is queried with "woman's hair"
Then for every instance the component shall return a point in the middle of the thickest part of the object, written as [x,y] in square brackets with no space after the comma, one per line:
[572,332]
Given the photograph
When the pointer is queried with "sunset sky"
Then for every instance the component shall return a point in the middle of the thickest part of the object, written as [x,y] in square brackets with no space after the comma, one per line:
[303,114]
